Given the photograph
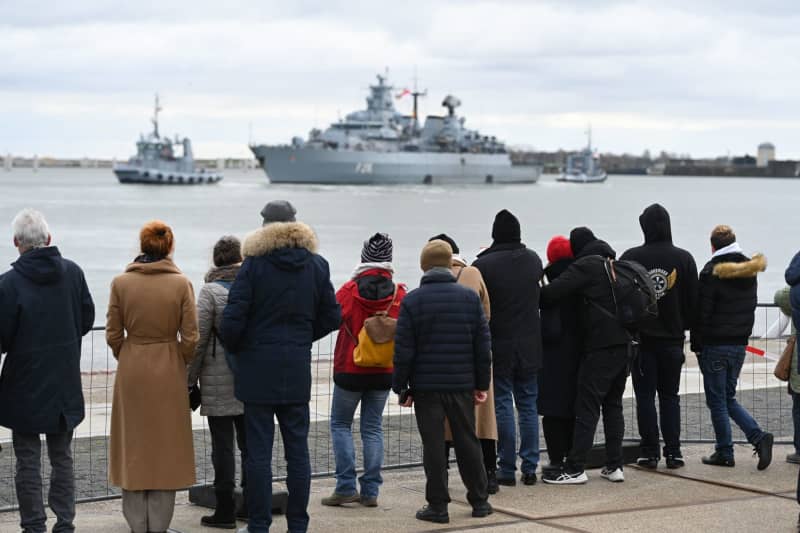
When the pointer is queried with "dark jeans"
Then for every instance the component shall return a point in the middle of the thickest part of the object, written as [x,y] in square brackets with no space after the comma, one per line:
[601,383]
[431,410]
[522,392]
[721,366]
[28,449]
[489,449]
[223,454]
[658,370]
[260,430]
[796,419]
[558,432]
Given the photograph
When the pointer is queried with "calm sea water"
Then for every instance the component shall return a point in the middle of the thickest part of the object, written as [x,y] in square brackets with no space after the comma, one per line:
[95,220]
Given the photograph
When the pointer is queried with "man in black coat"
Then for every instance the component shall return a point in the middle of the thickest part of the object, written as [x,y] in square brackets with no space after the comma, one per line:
[661,357]
[726,313]
[45,310]
[281,302]
[512,273]
[442,356]
[607,353]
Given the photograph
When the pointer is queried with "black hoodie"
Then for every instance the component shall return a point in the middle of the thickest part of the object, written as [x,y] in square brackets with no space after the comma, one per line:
[587,278]
[674,275]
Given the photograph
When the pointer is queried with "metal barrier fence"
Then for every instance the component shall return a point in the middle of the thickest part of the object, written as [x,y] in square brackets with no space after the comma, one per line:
[759,392]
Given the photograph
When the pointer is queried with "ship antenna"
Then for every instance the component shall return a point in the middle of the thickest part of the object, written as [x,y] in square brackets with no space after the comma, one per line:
[589,135]
[155,117]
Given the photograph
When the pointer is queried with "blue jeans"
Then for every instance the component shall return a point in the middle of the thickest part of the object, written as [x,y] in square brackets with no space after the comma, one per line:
[522,391]
[260,431]
[343,409]
[721,366]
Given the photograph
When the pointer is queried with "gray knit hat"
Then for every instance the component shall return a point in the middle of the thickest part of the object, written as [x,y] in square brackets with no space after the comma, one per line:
[278,211]
[378,249]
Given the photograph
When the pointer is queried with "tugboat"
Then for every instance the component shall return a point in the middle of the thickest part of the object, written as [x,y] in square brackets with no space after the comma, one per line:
[584,167]
[155,161]
[379,145]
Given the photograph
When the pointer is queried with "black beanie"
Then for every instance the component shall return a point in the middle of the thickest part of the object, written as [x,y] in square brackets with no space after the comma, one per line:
[506,228]
[446,238]
[377,249]
[579,238]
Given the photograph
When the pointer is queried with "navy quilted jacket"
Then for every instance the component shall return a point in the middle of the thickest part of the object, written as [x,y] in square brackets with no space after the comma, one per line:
[442,342]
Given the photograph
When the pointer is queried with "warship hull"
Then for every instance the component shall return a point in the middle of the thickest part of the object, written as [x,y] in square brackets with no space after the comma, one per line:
[287,164]
[154,176]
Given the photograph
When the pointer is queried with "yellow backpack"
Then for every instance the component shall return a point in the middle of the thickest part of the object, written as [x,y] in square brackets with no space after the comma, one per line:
[375,342]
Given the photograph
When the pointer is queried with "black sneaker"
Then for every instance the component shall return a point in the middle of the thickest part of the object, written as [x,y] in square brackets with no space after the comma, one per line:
[491,478]
[715,459]
[429,514]
[528,479]
[675,461]
[648,462]
[763,449]
[482,511]
[565,478]
[507,481]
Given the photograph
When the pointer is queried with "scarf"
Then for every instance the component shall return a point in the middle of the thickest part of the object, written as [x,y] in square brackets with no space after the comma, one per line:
[730,249]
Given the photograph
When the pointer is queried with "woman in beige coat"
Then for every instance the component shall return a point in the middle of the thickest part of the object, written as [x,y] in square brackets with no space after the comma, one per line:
[151,328]
[485,421]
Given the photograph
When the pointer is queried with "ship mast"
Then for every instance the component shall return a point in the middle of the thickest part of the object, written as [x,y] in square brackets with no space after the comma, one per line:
[416,93]
[155,118]
[589,135]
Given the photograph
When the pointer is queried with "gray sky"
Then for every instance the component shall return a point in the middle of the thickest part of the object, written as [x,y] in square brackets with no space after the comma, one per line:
[703,77]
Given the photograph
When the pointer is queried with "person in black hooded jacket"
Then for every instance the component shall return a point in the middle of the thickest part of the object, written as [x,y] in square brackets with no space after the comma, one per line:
[45,310]
[606,358]
[661,357]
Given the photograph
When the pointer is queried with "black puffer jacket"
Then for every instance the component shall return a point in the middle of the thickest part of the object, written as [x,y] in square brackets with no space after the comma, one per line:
[674,276]
[727,301]
[442,342]
[587,278]
[512,273]
[562,347]
[45,310]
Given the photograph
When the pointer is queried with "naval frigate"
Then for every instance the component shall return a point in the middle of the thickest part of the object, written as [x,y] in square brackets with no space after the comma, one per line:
[379,145]
[157,163]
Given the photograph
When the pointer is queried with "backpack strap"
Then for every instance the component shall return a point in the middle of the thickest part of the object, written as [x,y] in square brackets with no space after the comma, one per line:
[394,298]
[459,273]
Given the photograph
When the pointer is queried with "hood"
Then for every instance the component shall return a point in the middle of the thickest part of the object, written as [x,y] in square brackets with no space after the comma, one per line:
[164,266]
[655,224]
[598,247]
[224,273]
[438,275]
[556,268]
[361,268]
[373,290]
[792,274]
[40,265]
[744,269]
[278,236]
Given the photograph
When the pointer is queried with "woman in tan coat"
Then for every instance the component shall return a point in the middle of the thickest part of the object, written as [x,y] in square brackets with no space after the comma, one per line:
[485,421]
[151,328]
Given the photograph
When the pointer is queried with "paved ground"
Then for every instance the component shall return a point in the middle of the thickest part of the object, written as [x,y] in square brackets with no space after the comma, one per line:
[697,498]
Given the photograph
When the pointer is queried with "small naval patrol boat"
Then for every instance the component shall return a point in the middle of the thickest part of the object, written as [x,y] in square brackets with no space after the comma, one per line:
[155,161]
[379,145]
[584,167]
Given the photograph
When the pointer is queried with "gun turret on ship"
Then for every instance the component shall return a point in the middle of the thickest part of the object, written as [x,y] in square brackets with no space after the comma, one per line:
[156,162]
[379,145]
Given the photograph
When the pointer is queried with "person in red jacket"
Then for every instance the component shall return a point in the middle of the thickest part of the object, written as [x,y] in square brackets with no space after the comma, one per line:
[371,290]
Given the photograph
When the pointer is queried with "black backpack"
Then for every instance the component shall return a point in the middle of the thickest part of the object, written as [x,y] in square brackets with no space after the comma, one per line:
[633,292]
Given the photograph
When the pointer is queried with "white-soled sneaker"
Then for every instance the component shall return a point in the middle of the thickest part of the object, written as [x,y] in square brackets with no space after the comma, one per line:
[565,478]
[616,475]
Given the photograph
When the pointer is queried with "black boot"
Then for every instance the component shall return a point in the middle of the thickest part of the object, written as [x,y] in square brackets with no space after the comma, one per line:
[491,478]
[224,516]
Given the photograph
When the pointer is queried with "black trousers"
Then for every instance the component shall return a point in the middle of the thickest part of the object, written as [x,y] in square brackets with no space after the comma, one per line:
[431,410]
[558,432]
[658,369]
[601,383]
[223,453]
[489,449]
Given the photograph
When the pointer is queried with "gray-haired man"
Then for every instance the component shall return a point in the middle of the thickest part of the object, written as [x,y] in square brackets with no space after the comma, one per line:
[45,310]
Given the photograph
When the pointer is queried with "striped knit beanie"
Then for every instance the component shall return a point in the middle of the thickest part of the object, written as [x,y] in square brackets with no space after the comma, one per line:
[378,249]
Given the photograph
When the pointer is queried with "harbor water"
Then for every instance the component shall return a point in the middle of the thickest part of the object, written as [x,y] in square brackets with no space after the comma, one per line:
[95,221]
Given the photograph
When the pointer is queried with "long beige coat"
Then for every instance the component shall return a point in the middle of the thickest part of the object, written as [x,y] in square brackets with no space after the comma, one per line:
[485,418]
[151,429]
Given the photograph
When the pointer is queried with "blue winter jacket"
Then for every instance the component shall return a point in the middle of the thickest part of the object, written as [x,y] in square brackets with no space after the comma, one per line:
[281,302]
[442,342]
[45,310]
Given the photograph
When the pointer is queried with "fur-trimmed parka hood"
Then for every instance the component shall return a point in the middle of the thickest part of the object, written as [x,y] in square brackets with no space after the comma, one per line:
[744,269]
[279,235]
